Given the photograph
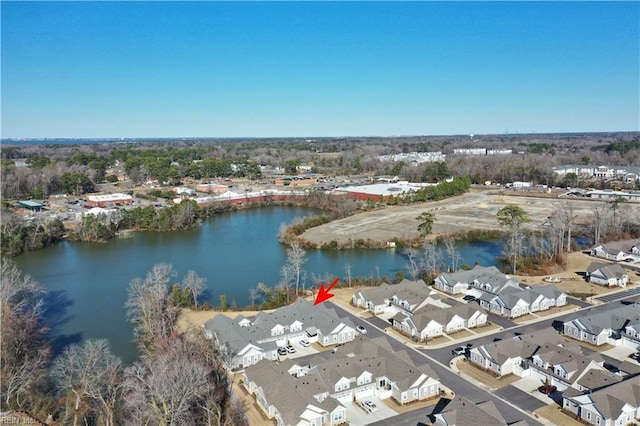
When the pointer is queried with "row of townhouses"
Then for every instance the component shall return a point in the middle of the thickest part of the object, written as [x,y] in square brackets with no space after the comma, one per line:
[618,250]
[405,297]
[430,322]
[248,340]
[620,326]
[418,311]
[499,293]
[318,392]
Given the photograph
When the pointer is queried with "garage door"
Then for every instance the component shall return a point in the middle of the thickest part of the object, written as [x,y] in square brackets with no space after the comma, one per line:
[345,398]
[365,393]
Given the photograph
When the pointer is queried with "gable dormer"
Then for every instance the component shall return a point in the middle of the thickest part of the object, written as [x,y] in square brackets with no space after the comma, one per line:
[277,330]
[245,323]
[296,326]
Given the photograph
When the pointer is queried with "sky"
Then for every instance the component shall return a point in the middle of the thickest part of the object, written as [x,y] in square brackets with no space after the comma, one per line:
[258,69]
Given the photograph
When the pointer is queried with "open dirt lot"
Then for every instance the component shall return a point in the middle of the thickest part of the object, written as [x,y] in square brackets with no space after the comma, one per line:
[474,210]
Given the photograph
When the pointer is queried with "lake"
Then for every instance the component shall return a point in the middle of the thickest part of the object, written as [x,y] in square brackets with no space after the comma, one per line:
[87,282]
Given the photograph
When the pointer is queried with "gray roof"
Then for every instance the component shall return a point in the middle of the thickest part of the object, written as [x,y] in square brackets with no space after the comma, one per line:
[237,337]
[288,394]
[291,395]
[596,379]
[614,319]
[480,274]
[615,247]
[610,400]
[413,291]
[462,412]
[608,270]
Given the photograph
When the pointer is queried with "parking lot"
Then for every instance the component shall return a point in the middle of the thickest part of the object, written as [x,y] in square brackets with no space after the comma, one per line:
[358,416]
[300,351]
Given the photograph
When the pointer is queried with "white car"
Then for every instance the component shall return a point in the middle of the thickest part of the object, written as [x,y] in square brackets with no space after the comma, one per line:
[360,329]
[304,343]
[371,406]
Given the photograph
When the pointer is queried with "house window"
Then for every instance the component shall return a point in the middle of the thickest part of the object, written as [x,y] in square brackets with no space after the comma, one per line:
[598,420]
[588,415]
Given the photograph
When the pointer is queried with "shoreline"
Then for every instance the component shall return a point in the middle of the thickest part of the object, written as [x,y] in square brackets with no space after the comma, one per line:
[572,283]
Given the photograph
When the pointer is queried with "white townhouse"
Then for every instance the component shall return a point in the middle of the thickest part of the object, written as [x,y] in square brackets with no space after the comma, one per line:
[614,326]
[513,300]
[428,323]
[609,274]
[614,405]
[319,393]
[480,277]
[406,296]
[247,340]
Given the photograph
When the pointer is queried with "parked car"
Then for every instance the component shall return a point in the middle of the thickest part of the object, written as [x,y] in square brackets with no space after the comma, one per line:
[304,343]
[371,406]
[469,298]
[635,356]
[282,350]
[290,349]
[360,329]
[547,389]
[459,351]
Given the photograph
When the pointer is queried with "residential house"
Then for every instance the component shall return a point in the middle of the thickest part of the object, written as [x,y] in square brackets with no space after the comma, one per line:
[615,251]
[615,405]
[319,393]
[563,365]
[430,322]
[406,296]
[247,340]
[512,300]
[480,277]
[609,274]
[543,355]
[504,357]
[461,411]
[614,326]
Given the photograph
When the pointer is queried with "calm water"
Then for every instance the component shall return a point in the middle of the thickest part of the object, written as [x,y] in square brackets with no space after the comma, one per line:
[87,283]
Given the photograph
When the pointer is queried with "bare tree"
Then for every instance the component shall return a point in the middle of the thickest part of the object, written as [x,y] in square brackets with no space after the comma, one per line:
[24,351]
[412,263]
[569,216]
[431,258]
[347,269]
[195,284]
[149,306]
[253,295]
[89,372]
[600,216]
[296,258]
[168,389]
[452,253]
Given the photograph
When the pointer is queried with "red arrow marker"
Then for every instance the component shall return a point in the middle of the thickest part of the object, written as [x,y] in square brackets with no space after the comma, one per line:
[323,294]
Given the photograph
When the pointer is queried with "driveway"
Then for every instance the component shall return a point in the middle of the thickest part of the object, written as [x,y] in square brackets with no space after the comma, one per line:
[530,386]
[357,416]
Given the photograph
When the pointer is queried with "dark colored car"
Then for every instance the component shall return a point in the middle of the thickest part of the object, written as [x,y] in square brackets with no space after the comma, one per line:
[635,356]
[547,389]
[469,298]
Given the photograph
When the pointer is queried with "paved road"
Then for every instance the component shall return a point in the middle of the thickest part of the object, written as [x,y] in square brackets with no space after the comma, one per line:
[447,377]
[509,400]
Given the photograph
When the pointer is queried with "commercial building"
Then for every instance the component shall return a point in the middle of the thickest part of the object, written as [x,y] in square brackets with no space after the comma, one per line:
[109,199]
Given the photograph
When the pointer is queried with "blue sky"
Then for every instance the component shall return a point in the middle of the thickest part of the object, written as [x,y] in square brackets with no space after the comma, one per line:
[169,69]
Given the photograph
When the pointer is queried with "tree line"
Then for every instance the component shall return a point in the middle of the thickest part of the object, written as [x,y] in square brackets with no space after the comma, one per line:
[174,381]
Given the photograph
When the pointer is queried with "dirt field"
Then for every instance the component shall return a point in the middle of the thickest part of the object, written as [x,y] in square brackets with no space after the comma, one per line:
[474,210]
